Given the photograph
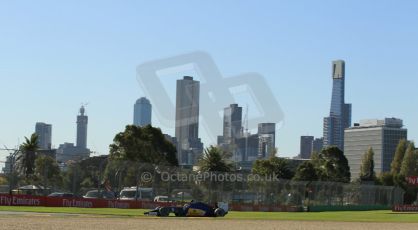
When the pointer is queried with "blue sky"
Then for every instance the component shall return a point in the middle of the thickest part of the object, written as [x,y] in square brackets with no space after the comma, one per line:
[55,55]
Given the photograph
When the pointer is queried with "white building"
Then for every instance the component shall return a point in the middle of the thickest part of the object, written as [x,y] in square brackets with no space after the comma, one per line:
[382,135]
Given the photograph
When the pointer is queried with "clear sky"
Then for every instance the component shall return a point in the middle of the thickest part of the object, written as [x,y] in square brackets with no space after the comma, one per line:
[55,55]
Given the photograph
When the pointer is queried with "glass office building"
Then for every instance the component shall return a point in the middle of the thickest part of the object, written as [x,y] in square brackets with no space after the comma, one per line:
[340,112]
[189,147]
[381,135]
[142,112]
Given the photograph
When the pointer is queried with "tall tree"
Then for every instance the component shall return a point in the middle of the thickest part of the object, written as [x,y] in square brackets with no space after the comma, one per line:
[273,166]
[395,166]
[87,173]
[367,172]
[410,162]
[143,144]
[332,165]
[306,172]
[47,170]
[27,156]
[213,160]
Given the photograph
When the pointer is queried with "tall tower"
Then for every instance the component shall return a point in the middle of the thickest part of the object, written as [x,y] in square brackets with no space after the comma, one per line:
[82,121]
[267,140]
[340,113]
[232,123]
[142,112]
[187,121]
[44,132]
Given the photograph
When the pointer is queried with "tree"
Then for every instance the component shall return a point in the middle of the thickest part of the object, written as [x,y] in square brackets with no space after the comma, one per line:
[367,166]
[213,160]
[398,158]
[72,178]
[47,170]
[273,166]
[143,144]
[306,172]
[409,163]
[386,179]
[85,174]
[3,180]
[27,156]
[332,165]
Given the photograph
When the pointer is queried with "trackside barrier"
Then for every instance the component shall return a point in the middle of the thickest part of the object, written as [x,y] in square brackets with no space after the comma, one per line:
[42,201]
[405,208]
[21,200]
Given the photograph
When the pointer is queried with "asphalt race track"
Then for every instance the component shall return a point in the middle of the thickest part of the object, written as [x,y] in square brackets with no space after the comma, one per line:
[29,220]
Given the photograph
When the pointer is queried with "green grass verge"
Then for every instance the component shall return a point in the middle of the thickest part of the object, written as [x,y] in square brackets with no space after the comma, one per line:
[92,211]
[351,216]
[343,216]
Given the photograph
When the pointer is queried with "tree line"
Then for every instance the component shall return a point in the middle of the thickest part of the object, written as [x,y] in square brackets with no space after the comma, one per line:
[147,145]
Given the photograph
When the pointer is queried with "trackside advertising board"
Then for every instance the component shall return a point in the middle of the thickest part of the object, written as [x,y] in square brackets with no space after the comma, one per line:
[25,200]
[42,201]
[412,180]
[21,200]
[405,208]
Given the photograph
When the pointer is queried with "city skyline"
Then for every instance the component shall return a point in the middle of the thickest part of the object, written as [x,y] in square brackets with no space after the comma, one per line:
[338,74]
[104,53]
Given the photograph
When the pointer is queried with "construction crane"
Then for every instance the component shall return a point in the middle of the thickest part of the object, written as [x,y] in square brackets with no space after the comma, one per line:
[7,149]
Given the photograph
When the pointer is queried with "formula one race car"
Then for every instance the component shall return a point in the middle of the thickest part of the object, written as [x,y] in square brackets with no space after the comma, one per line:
[192,209]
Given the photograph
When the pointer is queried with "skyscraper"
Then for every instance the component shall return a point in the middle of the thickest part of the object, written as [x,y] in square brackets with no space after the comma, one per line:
[189,145]
[232,123]
[142,112]
[317,145]
[381,135]
[44,132]
[82,121]
[247,147]
[340,113]
[268,128]
[70,152]
[267,139]
[306,146]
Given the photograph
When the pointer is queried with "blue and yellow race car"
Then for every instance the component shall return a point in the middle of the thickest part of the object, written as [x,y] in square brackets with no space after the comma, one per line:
[192,209]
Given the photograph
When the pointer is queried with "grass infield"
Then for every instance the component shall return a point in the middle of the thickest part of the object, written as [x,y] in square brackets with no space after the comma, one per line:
[351,216]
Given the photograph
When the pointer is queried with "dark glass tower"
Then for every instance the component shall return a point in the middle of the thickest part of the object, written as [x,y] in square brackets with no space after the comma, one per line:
[340,113]
[306,147]
[189,147]
[232,123]
[44,132]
